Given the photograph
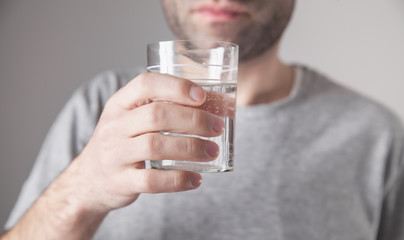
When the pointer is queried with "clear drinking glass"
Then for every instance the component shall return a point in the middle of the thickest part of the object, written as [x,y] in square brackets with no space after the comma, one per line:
[213,65]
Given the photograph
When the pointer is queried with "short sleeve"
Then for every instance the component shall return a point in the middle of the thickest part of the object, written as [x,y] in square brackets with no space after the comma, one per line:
[67,137]
[391,225]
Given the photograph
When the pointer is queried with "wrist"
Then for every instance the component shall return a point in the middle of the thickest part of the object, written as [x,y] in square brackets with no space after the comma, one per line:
[60,213]
[67,215]
[73,206]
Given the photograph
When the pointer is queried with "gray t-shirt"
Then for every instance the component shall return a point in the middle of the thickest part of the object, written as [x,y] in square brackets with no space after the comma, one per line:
[324,163]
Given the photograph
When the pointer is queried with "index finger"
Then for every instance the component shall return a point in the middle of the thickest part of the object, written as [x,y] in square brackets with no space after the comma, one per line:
[149,87]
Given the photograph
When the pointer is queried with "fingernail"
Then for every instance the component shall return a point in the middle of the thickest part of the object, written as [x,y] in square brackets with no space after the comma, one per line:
[212,149]
[195,180]
[218,124]
[197,93]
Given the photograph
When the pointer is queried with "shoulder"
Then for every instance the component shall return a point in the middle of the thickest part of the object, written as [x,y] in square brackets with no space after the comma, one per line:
[343,104]
[101,87]
[346,115]
[83,109]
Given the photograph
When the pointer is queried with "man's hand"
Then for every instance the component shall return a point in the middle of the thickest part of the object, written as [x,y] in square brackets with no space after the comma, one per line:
[110,172]
[111,167]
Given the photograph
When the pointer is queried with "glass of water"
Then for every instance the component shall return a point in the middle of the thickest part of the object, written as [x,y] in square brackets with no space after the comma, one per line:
[213,65]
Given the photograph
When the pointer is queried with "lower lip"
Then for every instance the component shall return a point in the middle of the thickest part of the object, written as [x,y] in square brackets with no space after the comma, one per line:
[219,16]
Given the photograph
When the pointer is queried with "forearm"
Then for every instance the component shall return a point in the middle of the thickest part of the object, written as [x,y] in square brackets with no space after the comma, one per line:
[110,171]
[58,214]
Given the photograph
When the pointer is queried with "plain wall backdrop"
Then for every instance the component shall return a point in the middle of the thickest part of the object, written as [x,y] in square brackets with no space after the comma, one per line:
[49,47]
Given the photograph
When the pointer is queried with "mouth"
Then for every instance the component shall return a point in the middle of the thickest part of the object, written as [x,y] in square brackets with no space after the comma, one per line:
[220,12]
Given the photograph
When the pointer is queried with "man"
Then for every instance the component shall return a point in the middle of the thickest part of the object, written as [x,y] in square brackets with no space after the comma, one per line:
[313,159]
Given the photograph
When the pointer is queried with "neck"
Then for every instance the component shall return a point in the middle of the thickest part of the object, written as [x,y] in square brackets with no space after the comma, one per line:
[264,79]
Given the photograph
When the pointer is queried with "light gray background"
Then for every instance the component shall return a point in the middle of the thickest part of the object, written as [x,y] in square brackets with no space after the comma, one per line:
[49,47]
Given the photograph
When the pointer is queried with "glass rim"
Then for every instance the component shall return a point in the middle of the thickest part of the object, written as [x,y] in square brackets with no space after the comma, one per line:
[222,43]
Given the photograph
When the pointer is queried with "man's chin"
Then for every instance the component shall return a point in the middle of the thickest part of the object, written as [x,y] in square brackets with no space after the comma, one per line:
[214,31]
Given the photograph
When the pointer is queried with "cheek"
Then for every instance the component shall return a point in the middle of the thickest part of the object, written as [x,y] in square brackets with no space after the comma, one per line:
[181,14]
[183,17]
[182,9]
[263,16]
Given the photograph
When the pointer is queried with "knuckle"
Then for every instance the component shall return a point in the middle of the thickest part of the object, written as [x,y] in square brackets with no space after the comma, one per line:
[195,117]
[147,184]
[190,145]
[109,103]
[179,180]
[112,100]
[183,87]
[180,86]
[152,182]
[141,81]
[153,145]
[105,130]
[155,114]
[105,141]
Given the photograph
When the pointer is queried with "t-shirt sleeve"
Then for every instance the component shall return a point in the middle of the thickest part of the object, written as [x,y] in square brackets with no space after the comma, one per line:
[66,138]
[391,225]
